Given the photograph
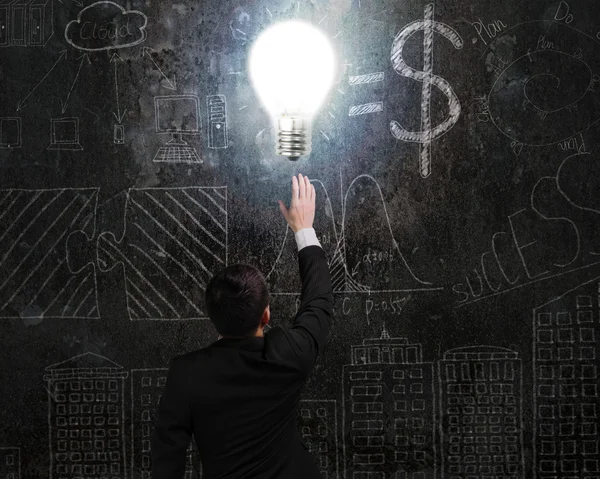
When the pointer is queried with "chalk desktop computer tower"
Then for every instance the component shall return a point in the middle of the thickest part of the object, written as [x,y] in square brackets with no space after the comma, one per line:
[26,22]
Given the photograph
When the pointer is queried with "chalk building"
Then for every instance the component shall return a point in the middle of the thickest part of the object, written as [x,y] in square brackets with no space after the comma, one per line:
[481,409]
[388,405]
[565,359]
[86,417]
[10,463]
[146,388]
[317,423]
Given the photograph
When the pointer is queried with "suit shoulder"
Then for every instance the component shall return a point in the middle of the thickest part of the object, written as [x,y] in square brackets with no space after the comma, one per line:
[187,358]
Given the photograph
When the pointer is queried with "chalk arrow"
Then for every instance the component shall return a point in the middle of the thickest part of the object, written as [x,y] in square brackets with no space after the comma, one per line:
[115,59]
[148,52]
[22,103]
[355,269]
[84,57]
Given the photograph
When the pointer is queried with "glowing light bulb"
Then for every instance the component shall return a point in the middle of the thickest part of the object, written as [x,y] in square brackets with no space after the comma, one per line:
[292,68]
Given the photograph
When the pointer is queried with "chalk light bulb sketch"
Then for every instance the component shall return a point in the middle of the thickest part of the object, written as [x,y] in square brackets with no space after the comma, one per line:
[292,68]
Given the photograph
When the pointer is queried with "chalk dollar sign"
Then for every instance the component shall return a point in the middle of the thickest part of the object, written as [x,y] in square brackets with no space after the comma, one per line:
[427,133]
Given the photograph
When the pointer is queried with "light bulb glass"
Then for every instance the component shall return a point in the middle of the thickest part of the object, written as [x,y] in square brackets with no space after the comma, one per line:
[292,68]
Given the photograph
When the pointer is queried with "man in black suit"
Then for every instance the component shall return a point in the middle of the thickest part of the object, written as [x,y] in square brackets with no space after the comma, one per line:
[239,396]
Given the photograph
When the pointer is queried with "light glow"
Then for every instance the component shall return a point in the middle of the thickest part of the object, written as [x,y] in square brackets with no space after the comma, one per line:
[292,68]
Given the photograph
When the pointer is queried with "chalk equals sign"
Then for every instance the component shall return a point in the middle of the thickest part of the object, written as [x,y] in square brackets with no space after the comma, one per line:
[366,108]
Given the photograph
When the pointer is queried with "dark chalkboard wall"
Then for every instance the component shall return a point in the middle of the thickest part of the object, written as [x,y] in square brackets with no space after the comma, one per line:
[457,171]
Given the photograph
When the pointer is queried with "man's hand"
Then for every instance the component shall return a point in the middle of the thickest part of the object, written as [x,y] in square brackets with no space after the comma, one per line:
[301,213]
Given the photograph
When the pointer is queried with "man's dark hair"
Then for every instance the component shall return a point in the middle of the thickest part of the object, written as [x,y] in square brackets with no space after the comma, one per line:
[236,298]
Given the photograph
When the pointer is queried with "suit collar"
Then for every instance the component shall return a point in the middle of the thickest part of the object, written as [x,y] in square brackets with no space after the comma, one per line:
[255,343]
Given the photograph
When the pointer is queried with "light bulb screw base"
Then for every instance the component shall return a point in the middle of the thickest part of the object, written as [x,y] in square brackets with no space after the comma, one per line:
[293,137]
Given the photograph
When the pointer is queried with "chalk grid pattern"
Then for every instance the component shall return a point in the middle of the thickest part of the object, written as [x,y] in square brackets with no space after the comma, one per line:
[566,401]
[86,417]
[388,411]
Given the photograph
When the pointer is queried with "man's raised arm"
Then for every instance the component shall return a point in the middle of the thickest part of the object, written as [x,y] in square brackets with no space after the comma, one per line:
[310,328]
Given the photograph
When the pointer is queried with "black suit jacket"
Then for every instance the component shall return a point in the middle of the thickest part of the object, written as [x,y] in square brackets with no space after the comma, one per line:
[239,397]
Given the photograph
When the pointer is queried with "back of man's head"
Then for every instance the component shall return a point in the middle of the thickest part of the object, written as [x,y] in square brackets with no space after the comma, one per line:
[236,298]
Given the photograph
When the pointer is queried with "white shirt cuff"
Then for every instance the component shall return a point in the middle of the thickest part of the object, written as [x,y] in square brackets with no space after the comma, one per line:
[306,237]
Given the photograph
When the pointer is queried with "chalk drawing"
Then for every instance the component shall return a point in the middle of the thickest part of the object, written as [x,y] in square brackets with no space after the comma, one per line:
[86,417]
[481,401]
[170,84]
[147,386]
[10,133]
[216,107]
[427,133]
[179,116]
[26,23]
[84,58]
[565,378]
[105,25]
[115,59]
[366,78]
[35,278]
[24,102]
[174,241]
[118,134]
[499,270]
[387,378]
[347,272]
[366,108]
[555,97]
[10,462]
[317,424]
[64,134]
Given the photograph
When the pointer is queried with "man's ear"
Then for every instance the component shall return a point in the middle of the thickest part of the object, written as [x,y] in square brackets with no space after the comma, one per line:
[266,317]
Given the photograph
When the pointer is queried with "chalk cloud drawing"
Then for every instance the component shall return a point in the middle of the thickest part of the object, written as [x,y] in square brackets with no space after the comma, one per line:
[106,25]
[388,410]
[174,241]
[86,417]
[428,133]
[36,280]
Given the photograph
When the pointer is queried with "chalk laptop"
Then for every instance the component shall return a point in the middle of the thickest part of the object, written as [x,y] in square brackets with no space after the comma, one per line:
[64,134]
